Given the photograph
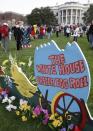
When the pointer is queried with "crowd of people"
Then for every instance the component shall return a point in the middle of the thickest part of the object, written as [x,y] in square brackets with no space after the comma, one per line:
[24,34]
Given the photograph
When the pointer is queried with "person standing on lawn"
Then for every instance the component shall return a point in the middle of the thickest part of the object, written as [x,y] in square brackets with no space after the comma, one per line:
[5,36]
[0,36]
[49,29]
[90,33]
[18,38]
[57,30]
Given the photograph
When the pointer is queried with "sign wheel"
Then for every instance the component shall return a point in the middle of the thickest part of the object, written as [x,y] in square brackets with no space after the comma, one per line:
[69,116]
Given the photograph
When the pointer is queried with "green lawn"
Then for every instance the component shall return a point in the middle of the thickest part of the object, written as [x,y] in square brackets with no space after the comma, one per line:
[9,121]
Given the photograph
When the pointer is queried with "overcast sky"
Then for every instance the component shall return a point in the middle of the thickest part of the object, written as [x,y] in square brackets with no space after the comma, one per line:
[25,6]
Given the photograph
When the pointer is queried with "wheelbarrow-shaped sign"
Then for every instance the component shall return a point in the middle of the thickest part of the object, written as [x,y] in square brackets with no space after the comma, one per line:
[65,75]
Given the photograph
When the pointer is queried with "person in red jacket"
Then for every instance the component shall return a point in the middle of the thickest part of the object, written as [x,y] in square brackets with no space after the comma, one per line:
[41,32]
[0,35]
[33,32]
[5,36]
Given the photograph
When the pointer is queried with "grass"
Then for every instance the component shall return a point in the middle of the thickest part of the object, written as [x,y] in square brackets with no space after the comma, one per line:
[9,121]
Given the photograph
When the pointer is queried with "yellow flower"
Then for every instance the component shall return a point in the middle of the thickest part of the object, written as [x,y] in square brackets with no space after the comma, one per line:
[5,62]
[21,107]
[24,107]
[17,113]
[56,123]
[52,117]
[33,116]
[28,108]
[56,114]
[60,118]
[24,118]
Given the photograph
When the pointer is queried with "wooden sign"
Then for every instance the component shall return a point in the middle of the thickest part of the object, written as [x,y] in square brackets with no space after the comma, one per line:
[60,71]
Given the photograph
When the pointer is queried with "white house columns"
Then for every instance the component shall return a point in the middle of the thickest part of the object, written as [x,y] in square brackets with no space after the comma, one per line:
[70,12]
[70,16]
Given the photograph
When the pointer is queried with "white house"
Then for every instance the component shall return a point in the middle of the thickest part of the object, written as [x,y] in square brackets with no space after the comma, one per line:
[70,12]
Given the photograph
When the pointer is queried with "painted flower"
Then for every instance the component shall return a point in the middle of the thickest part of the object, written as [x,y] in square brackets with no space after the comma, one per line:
[17,113]
[46,116]
[63,129]
[28,107]
[21,107]
[10,107]
[56,123]
[25,107]
[71,126]
[24,118]
[45,121]
[4,94]
[23,101]
[37,111]
[52,117]
[12,98]
[60,118]
[34,116]
[5,99]
[45,111]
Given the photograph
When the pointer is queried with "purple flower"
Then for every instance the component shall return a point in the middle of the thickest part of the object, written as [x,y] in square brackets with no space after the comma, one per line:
[37,110]
[63,129]
[71,126]
[45,111]
[45,121]
[4,93]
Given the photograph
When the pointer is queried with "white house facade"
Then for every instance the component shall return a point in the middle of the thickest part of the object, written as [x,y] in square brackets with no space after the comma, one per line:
[70,12]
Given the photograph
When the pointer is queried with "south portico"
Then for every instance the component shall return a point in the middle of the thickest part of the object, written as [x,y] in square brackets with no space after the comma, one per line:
[70,12]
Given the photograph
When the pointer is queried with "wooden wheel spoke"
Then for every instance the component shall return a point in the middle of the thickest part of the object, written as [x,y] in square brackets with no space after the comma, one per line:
[59,107]
[64,102]
[70,104]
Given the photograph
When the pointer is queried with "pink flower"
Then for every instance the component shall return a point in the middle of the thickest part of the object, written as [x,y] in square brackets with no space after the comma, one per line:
[45,121]
[44,113]
[37,111]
